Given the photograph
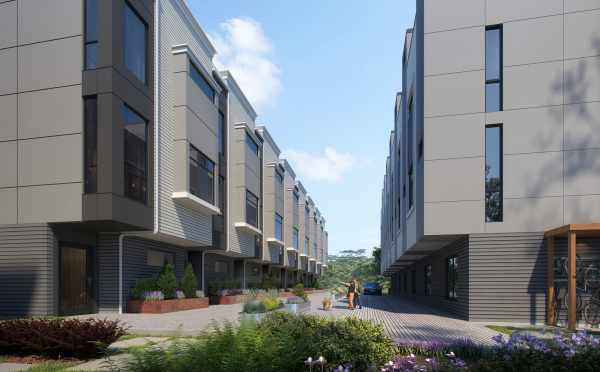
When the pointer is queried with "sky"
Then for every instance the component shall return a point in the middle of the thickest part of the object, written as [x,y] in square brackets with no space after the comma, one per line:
[322,76]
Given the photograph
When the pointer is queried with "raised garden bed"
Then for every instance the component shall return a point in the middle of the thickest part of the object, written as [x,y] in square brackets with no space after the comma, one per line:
[166,306]
[298,308]
[226,300]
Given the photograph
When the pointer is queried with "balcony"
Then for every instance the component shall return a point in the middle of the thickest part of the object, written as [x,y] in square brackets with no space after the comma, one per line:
[247,228]
[191,201]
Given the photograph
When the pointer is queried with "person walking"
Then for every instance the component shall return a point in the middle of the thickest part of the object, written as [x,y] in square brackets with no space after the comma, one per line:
[351,292]
[357,290]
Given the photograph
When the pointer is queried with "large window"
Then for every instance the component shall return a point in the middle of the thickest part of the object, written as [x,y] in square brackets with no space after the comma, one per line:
[91,34]
[278,227]
[306,244]
[202,176]
[221,134]
[91,144]
[252,145]
[493,173]
[410,155]
[251,209]
[136,155]
[295,238]
[451,277]
[135,34]
[222,193]
[307,220]
[202,83]
[427,280]
[493,68]
[315,250]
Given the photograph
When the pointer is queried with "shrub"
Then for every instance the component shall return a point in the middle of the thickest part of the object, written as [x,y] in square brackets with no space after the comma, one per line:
[167,282]
[271,304]
[254,307]
[58,337]
[142,286]
[189,282]
[298,291]
[153,296]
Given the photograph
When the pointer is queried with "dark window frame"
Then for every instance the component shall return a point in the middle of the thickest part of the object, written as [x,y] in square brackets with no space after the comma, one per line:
[413,280]
[428,272]
[452,278]
[203,163]
[129,6]
[253,201]
[296,238]
[252,145]
[128,166]
[410,154]
[222,133]
[89,41]
[500,79]
[91,144]
[501,174]
[202,82]
[278,227]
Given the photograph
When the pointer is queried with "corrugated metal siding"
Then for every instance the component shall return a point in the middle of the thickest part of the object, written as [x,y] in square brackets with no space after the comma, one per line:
[458,307]
[28,270]
[173,218]
[107,254]
[507,277]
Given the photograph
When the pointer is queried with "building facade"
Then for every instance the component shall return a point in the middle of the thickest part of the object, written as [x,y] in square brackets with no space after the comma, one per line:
[494,143]
[122,149]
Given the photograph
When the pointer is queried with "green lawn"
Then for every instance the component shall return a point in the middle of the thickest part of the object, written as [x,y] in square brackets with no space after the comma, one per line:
[50,367]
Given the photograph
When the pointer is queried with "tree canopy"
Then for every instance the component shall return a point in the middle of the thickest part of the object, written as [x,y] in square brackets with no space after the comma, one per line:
[353,263]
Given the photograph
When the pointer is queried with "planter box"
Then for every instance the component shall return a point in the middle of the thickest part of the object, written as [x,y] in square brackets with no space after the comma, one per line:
[226,300]
[298,308]
[166,306]
[286,294]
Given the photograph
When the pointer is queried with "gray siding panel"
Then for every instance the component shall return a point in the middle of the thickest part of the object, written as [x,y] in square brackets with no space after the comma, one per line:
[507,277]
[108,272]
[27,271]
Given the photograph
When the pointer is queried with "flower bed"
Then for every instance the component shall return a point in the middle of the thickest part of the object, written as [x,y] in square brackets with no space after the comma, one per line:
[166,306]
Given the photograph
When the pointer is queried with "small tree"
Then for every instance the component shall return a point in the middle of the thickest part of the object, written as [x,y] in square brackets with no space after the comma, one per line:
[167,282]
[189,283]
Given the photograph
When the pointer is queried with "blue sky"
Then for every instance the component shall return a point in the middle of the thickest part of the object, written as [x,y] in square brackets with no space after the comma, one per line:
[322,75]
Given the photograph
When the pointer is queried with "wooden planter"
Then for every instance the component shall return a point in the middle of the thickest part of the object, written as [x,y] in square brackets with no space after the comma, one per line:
[226,300]
[166,306]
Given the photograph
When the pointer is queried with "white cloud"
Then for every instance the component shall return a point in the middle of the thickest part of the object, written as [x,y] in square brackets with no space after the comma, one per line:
[331,166]
[244,49]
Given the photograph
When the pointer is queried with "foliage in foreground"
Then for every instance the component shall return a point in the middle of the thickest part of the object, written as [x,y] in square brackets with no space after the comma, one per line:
[281,342]
[58,337]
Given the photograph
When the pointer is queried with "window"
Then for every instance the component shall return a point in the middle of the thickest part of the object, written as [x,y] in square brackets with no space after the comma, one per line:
[135,36]
[314,250]
[222,194]
[451,277]
[306,244]
[158,258]
[202,83]
[493,173]
[279,178]
[413,281]
[493,68]
[222,141]
[91,34]
[296,199]
[202,176]
[278,227]
[91,143]
[221,267]
[252,145]
[404,282]
[399,211]
[427,281]
[136,154]
[251,209]
[307,220]
[295,238]
[410,150]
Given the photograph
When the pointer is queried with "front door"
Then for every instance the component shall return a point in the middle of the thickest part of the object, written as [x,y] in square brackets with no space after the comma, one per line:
[76,280]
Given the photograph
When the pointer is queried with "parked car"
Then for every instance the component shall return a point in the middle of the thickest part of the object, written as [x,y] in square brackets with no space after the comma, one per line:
[372,289]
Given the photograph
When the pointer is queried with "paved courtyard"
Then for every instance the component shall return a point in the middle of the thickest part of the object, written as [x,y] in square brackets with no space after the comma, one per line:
[403,320]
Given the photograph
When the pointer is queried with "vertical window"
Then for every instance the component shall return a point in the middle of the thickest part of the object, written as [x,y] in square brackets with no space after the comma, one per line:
[202,176]
[295,238]
[306,220]
[91,34]
[91,144]
[306,246]
[222,142]
[202,82]
[251,209]
[410,151]
[404,282]
[278,227]
[314,250]
[493,68]
[451,277]
[493,173]
[222,194]
[135,46]
[413,280]
[136,154]
[252,145]
[427,281]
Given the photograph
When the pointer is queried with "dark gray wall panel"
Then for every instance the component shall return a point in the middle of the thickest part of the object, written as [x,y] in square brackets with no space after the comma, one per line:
[108,272]
[28,264]
[507,277]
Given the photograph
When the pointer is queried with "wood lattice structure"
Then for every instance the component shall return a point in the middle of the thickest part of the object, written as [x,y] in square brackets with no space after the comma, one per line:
[571,232]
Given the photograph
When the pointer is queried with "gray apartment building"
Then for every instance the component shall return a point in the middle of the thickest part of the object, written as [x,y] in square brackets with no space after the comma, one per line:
[123,148]
[495,142]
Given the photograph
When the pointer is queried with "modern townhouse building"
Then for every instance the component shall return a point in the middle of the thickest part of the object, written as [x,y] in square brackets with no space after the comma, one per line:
[495,142]
[291,225]
[122,148]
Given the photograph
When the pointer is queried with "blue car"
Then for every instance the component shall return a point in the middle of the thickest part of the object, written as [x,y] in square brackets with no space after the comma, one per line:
[372,289]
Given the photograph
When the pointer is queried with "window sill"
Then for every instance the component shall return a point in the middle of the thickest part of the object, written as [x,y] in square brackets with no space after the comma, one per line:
[312,259]
[275,241]
[291,249]
[303,255]
[246,227]
[193,202]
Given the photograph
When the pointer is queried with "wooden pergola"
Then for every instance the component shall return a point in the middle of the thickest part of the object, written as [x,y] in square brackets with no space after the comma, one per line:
[571,232]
